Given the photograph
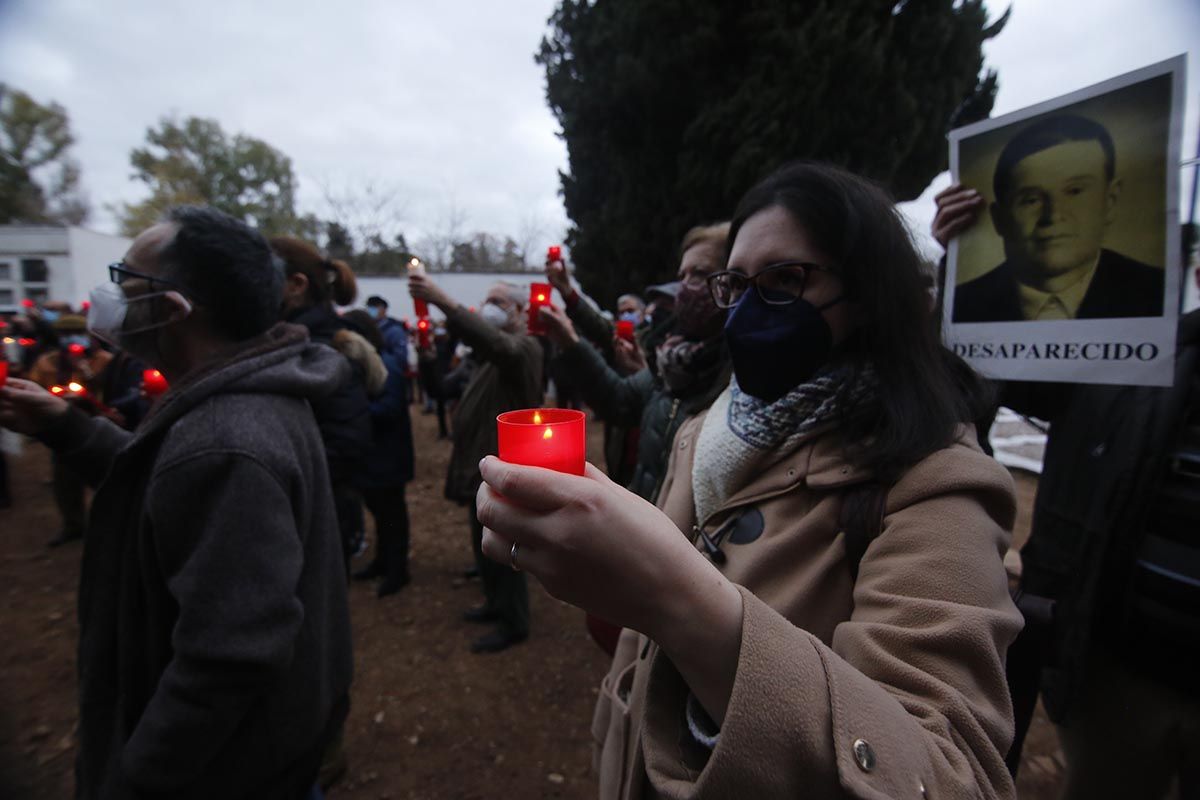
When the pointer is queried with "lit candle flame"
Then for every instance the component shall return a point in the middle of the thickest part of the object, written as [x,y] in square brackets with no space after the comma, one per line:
[541,298]
[75,387]
[537,418]
[548,434]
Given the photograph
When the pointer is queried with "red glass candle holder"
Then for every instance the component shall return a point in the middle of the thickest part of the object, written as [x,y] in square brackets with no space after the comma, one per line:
[554,438]
[625,329]
[553,253]
[539,298]
[153,382]
[3,371]
[421,307]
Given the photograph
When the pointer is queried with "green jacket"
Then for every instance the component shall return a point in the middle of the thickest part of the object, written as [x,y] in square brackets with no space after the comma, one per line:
[508,376]
[597,330]
[640,399]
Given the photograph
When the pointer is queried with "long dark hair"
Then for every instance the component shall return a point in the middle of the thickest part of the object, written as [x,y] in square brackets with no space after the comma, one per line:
[924,390]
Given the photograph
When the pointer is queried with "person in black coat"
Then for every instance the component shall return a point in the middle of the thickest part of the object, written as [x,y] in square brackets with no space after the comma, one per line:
[389,466]
[312,284]
[214,632]
[1056,192]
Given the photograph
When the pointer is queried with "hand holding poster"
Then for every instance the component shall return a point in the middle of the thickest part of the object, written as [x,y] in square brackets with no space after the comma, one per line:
[1072,273]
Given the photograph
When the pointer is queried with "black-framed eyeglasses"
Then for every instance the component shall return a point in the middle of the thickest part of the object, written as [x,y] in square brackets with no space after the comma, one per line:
[118,273]
[777,284]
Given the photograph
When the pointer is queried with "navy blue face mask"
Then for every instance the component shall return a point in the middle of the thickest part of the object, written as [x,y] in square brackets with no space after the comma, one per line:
[776,348]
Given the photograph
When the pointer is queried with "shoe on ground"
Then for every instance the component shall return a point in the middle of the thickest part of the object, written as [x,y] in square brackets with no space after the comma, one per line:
[390,586]
[496,641]
[369,572]
[480,614]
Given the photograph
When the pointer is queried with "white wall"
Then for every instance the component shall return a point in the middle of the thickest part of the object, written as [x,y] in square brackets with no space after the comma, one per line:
[468,288]
[91,253]
[34,241]
[77,259]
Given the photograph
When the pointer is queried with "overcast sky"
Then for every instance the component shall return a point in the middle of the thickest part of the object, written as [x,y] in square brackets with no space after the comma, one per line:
[441,101]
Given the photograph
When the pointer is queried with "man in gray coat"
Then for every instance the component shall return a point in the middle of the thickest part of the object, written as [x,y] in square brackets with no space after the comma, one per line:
[214,654]
[508,376]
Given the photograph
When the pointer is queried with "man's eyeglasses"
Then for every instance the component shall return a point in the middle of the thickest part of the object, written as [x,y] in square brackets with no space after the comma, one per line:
[118,273]
[777,284]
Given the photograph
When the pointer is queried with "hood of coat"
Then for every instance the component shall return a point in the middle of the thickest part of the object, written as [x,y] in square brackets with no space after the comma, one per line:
[282,361]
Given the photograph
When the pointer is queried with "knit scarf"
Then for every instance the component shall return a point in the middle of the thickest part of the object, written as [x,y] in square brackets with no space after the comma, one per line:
[686,366]
[742,436]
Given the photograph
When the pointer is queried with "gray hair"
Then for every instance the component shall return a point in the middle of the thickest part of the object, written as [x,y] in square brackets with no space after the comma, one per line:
[517,294]
[640,303]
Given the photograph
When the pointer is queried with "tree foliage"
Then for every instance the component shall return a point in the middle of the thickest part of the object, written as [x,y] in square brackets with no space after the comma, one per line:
[39,181]
[672,109]
[194,161]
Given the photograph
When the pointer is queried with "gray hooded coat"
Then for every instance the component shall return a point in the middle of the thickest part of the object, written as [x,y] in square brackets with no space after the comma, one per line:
[214,653]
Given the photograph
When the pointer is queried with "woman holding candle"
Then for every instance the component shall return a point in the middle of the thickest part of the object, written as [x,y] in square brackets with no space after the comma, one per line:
[688,363]
[837,624]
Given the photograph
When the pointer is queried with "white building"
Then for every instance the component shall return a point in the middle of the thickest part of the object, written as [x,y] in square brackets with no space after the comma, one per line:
[48,262]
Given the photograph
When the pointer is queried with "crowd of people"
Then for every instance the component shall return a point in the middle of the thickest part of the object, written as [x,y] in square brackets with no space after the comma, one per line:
[795,552]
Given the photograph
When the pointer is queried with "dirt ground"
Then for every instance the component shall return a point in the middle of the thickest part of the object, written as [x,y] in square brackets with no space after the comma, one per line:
[428,720]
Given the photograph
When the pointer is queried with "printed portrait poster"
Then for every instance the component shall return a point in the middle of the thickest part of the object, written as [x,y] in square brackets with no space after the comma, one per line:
[1072,272]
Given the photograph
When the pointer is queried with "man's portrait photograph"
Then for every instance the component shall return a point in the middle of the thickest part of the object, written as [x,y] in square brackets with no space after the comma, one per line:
[1070,271]
[1075,226]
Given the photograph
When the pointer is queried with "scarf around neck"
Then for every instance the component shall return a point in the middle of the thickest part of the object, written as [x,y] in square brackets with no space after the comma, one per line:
[686,366]
[743,435]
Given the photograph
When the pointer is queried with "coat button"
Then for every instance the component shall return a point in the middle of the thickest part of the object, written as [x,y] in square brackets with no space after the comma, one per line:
[864,755]
[682,444]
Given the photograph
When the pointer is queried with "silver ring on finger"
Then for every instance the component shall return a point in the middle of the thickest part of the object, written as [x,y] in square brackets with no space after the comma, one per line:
[512,558]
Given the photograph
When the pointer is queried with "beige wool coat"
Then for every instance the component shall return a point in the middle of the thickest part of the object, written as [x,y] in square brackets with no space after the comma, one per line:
[888,686]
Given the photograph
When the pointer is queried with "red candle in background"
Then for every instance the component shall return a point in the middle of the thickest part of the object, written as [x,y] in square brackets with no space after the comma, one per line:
[3,371]
[423,333]
[625,329]
[554,438]
[153,382]
[76,349]
[415,267]
[554,253]
[27,303]
[539,297]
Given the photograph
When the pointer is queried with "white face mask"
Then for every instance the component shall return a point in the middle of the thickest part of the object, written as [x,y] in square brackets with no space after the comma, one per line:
[494,315]
[109,309]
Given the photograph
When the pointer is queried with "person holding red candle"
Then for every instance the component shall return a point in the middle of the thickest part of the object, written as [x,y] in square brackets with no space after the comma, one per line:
[75,360]
[818,607]
[688,364]
[214,632]
[507,376]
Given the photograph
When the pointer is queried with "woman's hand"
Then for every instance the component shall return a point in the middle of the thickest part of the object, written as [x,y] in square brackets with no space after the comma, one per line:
[628,356]
[27,408]
[594,545]
[606,550]
[423,288]
[958,208]
[559,328]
